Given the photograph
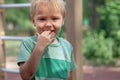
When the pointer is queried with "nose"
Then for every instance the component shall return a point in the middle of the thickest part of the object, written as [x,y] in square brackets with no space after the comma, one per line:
[49,26]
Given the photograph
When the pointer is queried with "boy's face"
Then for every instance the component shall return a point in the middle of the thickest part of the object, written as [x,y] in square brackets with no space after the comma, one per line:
[48,20]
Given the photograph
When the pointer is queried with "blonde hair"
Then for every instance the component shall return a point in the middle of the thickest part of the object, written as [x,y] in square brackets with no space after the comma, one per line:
[55,4]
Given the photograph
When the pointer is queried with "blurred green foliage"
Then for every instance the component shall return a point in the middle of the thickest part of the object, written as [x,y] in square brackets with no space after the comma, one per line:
[102,46]
[12,48]
[97,48]
[110,22]
[20,18]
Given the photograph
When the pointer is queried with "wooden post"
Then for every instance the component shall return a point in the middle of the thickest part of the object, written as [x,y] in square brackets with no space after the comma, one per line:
[2,51]
[74,29]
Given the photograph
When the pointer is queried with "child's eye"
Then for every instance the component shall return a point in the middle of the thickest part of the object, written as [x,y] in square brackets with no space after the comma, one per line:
[55,18]
[42,19]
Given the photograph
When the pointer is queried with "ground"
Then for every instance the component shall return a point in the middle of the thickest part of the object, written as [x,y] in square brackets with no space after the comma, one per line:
[101,73]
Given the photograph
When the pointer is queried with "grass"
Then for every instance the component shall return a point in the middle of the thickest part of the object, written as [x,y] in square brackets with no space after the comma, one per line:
[12,48]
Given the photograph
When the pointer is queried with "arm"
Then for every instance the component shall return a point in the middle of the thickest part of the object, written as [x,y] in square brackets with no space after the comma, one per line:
[29,68]
[71,75]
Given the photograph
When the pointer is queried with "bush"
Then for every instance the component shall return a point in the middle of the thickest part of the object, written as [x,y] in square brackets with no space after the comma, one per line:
[110,22]
[97,48]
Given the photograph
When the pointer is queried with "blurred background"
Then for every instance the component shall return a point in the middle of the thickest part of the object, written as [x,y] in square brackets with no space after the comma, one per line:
[101,33]
[101,36]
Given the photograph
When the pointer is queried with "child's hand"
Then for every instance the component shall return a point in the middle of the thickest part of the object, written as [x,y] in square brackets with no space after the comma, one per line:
[45,38]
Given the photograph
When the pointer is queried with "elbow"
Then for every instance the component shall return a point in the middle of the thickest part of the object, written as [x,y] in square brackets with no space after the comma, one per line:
[26,75]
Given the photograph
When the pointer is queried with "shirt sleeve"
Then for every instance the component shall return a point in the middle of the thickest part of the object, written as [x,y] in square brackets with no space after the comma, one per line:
[25,52]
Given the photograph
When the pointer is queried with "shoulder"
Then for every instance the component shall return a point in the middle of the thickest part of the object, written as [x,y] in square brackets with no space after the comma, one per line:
[29,39]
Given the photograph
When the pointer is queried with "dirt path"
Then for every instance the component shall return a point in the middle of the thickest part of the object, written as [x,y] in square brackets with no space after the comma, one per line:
[91,73]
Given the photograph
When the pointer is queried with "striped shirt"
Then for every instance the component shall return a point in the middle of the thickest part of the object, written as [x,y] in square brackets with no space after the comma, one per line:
[57,60]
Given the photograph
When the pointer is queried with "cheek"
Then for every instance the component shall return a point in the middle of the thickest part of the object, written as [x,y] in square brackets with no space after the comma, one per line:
[58,28]
[39,28]
[59,25]
[39,25]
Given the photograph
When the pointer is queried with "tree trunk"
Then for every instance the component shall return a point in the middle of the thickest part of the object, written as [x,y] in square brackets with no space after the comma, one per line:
[74,32]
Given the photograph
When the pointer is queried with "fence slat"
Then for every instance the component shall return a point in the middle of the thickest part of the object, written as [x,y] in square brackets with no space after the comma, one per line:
[11,38]
[15,5]
[10,70]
